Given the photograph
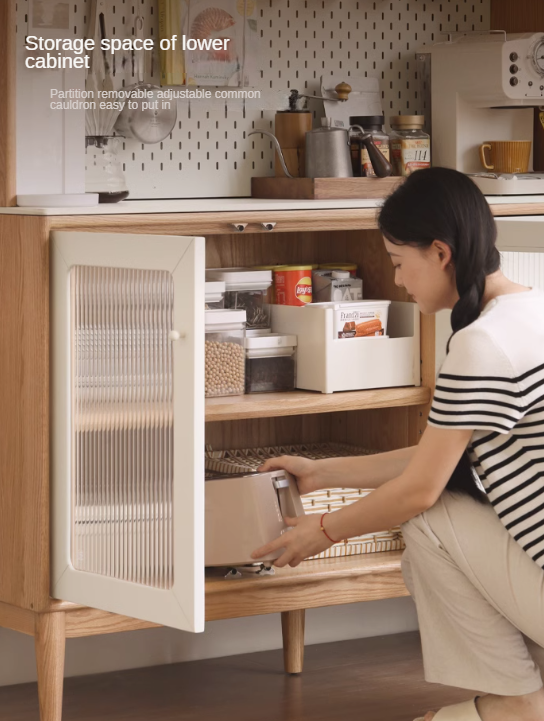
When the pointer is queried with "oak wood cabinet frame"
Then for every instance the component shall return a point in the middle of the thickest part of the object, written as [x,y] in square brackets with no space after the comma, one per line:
[25,603]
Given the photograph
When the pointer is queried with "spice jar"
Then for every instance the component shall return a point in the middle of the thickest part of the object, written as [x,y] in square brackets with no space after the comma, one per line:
[410,145]
[225,356]
[270,363]
[246,290]
[360,159]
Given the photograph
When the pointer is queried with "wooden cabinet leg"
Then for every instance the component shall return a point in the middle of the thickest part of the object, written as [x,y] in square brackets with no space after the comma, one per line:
[292,627]
[50,643]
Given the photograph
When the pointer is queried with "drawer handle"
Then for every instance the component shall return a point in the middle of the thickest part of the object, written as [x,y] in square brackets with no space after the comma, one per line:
[268,226]
[239,227]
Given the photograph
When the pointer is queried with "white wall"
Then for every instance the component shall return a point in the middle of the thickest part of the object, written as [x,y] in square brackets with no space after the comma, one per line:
[442,334]
[137,649]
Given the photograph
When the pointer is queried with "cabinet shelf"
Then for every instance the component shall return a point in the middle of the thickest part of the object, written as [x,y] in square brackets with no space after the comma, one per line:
[323,582]
[297,403]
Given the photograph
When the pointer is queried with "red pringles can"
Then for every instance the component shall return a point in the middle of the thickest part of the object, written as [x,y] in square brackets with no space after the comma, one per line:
[293,285]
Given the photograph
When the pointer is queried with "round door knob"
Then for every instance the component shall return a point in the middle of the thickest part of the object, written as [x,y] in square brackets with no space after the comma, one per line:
[175,335]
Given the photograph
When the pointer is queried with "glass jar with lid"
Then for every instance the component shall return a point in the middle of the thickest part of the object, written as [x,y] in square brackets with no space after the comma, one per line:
[360,159]
[225,354]
[246,289]
[410,144]
[270,363]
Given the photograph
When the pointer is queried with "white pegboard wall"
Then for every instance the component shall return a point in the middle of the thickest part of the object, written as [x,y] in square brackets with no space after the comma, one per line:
[208,153]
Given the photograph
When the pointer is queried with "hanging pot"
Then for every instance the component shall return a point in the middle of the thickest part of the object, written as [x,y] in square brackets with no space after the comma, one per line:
[148,122]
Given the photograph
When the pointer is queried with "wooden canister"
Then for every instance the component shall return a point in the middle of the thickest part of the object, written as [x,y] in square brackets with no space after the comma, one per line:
[290,130]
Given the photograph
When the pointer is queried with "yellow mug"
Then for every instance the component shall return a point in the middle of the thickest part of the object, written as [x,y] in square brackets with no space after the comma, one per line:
[506,156]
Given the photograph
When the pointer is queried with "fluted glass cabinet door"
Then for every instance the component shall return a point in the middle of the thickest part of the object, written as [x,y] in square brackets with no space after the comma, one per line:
[127,398]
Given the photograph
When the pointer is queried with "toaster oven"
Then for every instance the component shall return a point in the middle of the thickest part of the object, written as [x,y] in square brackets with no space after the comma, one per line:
[246,512]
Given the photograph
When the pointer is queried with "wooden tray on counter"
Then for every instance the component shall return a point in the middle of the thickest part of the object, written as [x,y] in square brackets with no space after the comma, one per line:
[322,188]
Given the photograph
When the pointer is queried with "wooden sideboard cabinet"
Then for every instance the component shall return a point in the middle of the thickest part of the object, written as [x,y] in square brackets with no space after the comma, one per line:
[49,595]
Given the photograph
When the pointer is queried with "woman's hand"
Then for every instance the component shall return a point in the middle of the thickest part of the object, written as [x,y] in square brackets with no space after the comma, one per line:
[303,469]
[303,540]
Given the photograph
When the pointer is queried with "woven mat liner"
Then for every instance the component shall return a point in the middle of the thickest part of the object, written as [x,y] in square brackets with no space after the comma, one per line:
[248,460]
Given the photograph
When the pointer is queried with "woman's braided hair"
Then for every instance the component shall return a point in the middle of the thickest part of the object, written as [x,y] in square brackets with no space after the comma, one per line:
[443,204]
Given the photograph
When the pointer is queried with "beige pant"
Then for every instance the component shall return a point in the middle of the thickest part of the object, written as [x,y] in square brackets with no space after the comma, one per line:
[477,594]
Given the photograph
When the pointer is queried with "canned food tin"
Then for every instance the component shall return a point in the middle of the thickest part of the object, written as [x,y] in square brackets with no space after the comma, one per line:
[293,285]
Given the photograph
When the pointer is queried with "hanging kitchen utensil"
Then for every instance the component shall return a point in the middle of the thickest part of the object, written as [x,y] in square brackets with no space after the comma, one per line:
[95,76]
[149,121]
[99,122]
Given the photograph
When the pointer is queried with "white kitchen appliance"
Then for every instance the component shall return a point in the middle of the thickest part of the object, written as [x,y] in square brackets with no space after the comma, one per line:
[484,87]
[244,513]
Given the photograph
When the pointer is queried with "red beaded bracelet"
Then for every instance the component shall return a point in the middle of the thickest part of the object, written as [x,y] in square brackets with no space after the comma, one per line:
[323,528]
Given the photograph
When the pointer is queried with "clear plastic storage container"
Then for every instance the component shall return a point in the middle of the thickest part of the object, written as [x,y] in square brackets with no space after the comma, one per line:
[215,295]
[225,355]
[246,290]
[270,363]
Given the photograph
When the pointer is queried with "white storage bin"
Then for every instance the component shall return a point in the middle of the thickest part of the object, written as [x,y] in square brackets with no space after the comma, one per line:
[328,365]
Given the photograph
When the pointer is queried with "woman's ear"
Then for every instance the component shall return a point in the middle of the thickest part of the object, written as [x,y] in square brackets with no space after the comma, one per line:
[443,253]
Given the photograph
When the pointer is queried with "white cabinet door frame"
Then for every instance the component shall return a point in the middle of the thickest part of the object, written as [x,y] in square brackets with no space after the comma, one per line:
[181,606]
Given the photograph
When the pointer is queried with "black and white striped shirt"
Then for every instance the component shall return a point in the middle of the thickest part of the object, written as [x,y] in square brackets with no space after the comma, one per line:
[492,381]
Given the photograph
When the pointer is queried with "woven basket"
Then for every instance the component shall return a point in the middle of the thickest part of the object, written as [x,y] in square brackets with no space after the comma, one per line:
[248,460]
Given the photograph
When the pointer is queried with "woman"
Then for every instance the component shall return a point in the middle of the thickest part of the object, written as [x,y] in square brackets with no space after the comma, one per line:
[470,496]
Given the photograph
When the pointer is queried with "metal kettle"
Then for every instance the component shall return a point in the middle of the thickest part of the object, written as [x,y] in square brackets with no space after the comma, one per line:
[328,153]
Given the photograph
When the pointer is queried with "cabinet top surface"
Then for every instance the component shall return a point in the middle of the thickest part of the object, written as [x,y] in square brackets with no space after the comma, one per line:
[218,205]
[198,205]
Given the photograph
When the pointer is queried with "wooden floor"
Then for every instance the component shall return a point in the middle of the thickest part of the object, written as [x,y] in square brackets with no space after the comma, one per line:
[377,679]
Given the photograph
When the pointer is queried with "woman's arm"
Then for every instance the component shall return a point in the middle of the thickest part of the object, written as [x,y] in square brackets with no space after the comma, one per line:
[415,490]
[362,471]
[412,492]
[356,472]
